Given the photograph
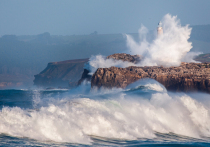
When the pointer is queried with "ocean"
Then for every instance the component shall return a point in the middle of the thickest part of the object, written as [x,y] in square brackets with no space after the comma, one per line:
[143,114]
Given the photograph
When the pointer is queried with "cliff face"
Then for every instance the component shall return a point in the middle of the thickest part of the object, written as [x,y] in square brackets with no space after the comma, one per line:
[61,74]
[186,77]
[85,76]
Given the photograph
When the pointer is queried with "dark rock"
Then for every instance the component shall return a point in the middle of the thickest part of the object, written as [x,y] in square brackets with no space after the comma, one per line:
[85,76]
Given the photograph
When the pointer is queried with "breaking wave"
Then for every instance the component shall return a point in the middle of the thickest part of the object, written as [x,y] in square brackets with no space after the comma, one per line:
[122,115]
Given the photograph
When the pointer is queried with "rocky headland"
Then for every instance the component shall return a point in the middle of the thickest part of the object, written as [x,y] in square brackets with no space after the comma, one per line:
[186,77]
[62,74]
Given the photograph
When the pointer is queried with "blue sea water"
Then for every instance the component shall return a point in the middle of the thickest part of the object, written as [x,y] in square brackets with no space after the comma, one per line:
[143,114]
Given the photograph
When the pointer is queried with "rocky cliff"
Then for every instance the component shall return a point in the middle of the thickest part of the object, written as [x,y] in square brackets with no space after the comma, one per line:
[61,74]
[186,77]
[70,73]
[117,56]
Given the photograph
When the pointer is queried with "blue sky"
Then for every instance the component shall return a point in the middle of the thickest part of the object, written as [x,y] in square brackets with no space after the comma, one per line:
[68,17]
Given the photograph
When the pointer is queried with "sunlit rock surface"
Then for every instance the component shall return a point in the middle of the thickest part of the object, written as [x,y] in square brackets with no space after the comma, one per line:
[186,77]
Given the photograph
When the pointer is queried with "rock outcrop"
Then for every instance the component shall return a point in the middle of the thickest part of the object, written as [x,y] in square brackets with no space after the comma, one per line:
[61,74]
[117,56]
[186,77]
[125,57]
[85,76]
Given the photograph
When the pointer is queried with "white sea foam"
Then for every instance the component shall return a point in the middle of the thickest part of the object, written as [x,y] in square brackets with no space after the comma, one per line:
[121,116]
[150,84]
[100,61]
[155,87]
[167,49]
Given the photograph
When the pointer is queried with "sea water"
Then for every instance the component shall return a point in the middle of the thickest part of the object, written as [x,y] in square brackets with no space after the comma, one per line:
[143,114]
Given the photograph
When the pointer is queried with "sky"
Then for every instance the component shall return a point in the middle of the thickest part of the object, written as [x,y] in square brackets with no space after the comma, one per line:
[69,17]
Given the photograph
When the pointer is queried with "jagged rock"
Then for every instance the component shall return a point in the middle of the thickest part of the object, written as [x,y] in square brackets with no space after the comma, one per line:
[186,77]
[126,57]
[85,76]
[118,56]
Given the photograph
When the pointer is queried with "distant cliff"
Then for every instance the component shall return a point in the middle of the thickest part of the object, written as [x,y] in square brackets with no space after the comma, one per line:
[186,77]
[203,58]
[61,74]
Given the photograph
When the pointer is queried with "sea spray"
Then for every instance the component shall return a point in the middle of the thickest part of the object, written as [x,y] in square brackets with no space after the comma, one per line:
[167,49]
[100,61]
[36,98]
[120,115]
[147,84]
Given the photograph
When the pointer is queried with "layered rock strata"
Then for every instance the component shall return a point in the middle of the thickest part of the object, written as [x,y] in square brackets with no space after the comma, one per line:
[186,77]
